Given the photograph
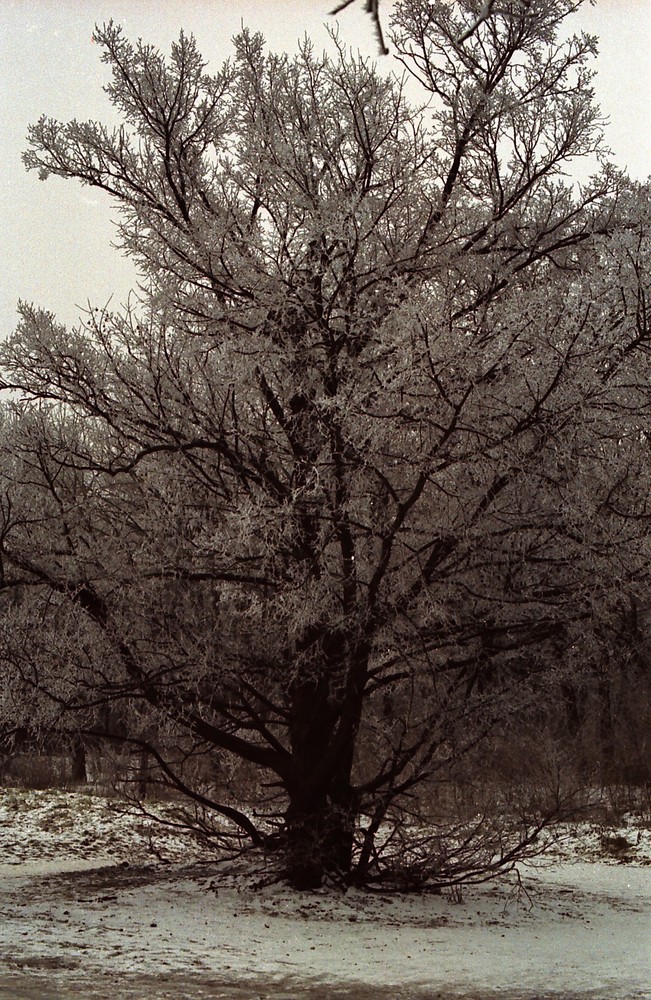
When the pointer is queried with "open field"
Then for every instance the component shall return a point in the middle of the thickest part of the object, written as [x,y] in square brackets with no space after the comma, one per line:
[87,911]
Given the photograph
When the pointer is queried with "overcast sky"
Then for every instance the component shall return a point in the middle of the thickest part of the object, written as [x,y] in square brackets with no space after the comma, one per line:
[56,235]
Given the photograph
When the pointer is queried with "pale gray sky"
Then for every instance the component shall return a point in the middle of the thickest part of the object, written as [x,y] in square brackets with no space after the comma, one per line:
[56,236]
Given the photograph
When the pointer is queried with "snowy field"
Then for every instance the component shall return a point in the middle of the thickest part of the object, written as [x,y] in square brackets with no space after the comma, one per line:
[87,910]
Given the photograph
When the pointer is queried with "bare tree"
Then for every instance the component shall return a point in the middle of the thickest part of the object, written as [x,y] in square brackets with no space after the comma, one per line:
[361,463]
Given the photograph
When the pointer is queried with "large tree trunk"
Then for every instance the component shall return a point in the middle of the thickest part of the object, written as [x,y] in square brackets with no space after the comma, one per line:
[320,838]
[322,811]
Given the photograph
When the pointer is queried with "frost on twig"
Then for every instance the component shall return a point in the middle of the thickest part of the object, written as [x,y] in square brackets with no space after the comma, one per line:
[485,12]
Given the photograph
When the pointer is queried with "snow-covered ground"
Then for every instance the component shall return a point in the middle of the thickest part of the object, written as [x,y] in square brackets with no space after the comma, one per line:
[87,911]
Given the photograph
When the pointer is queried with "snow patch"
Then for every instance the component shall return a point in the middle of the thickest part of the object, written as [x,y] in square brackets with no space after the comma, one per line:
[84,903]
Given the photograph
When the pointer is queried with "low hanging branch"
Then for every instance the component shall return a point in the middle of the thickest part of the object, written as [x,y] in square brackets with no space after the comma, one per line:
[235,816]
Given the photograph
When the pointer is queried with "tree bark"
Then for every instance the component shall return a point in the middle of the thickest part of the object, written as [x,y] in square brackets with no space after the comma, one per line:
[78,770]
[320,838]
[322,811]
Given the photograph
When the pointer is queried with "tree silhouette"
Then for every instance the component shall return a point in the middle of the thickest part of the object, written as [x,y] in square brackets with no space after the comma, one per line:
[362,469]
